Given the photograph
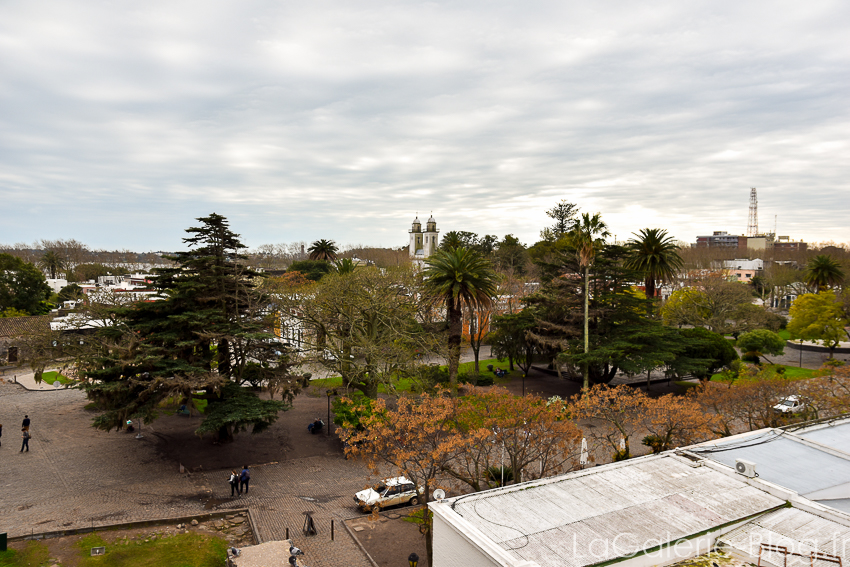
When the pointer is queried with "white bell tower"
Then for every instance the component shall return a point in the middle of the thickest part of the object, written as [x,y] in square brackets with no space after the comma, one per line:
[423,243]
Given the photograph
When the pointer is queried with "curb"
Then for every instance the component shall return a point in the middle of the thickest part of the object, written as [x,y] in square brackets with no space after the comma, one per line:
[359,545]
[138,524]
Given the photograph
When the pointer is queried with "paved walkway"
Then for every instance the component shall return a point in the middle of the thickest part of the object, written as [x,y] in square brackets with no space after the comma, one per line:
[75,476]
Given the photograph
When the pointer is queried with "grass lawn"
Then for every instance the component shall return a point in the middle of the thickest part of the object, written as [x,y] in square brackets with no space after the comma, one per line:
[791,372]
[784,334]
[182,550]
[52,376]
[405,384]
[35,554]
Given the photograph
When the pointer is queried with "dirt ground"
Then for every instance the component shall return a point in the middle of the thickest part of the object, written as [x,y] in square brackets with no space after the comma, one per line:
[389,539]
[286,439]
[63,551]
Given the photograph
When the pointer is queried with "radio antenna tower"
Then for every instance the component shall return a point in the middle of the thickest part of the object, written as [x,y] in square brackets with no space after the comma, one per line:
[753,223]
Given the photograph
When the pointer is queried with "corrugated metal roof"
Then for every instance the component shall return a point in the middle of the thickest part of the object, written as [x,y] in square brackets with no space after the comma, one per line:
[836,436]
[842,504]
[782,460]
[576,520]
[799,531]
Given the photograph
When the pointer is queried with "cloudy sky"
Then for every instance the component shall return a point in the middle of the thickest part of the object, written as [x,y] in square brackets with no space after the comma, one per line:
[120,122]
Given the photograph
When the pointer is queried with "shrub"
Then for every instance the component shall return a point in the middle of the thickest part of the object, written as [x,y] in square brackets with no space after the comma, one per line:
[484,381]
[654,442]
[494,474]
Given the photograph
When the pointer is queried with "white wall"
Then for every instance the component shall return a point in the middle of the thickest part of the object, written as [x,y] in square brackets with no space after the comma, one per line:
[451,549]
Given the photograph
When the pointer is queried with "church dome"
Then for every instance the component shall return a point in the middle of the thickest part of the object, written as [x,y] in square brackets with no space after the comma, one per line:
[431,220]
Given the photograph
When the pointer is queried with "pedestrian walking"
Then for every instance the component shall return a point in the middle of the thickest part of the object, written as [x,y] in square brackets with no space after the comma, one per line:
[244,479]
[234,483]
[25,436]
[26,423]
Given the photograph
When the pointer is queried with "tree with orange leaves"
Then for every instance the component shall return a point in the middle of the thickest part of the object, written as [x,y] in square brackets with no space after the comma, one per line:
[615,413]
[827,395]
[525,434]
[673,421]
[429,436]
[417,438]
[746,398]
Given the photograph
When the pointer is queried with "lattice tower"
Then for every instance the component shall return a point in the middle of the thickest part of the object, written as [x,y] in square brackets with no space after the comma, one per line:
[753,222]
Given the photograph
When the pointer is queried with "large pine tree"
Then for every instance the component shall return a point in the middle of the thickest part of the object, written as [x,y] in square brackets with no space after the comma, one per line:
[207,334]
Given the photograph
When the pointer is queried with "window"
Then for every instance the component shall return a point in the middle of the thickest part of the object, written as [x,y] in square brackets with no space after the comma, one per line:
[13,354]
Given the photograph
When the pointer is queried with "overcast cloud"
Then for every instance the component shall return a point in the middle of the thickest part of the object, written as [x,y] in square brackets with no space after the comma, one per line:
[120,122]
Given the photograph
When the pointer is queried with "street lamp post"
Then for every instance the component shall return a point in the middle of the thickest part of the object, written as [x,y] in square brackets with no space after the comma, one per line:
[330,393]
[801,353]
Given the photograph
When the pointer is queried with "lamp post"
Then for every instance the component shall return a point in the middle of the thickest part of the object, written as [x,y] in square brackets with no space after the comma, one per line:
[330,393]
[801,353]
[412,560]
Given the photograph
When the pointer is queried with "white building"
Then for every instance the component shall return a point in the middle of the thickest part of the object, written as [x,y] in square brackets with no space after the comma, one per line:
[423,244]
[663,509]
[744,270]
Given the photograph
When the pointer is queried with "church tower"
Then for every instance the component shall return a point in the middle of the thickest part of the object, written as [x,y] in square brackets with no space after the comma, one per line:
[423,243]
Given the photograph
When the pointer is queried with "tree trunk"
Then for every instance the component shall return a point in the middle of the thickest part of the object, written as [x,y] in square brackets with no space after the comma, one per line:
[224,358]
[455,317]
[585,365]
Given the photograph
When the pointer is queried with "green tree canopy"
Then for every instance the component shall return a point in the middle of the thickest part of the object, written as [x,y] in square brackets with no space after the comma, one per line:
[819,317]
[71,292]
[311,269]
[708,346]
[209,326]
[22,286]
[363,325]
[713,303]
[510,339]
[760,342]
[564,215]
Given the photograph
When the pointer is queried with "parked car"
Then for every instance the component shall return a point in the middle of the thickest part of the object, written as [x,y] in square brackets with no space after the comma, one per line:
[397,491]
[791,404]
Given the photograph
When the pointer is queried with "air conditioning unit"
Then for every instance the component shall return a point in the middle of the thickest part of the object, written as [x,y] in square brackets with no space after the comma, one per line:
[746,468]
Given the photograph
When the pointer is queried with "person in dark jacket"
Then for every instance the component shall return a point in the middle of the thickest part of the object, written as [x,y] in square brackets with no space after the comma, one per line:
[25,436]
[234,483]
[244,479]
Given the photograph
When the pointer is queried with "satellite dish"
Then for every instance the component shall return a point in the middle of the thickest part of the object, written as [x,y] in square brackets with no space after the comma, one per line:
[439,494]
[57,384]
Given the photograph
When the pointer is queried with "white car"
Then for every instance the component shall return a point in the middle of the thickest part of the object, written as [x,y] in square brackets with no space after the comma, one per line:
[791,404]
[397,491]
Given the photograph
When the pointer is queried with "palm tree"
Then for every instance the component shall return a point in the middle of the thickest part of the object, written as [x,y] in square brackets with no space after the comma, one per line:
[587,237]
[323,250]
[459,277]
[823,271]
[344,266]
[52,262]
[654,254]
